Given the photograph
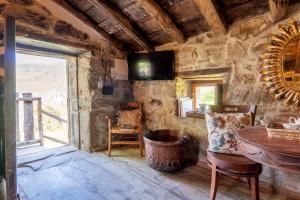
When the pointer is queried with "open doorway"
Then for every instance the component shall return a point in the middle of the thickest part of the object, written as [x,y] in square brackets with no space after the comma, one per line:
[42,108]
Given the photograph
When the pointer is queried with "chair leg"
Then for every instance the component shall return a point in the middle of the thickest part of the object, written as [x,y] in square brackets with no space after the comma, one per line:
[214,182]
[141,144]
[255,188]
[109,143]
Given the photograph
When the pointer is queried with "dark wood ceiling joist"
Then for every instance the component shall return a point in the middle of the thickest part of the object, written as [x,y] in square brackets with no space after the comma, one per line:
[140,24]
[245,10]
[125,24]
[81,17]
[186,15]
[227,4]
[33,49]
[29,32]
[212,15]
[162,18]
[278,10]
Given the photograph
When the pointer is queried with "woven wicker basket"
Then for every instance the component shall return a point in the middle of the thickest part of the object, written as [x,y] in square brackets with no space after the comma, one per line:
[286,134]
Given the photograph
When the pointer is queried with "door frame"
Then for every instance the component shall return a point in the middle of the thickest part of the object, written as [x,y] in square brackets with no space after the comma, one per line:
[71,64]
[9,107]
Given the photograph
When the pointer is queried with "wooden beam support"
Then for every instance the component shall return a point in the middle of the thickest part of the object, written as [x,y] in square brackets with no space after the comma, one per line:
[80,16]
[212,15]
[25,47]
[28,32]
[278,10]
[28,118]
[163,19]
[216,72]
[54,39]
[10,107]
[124,23]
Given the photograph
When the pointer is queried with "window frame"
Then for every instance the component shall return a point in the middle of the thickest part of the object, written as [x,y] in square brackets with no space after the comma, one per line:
[215,83]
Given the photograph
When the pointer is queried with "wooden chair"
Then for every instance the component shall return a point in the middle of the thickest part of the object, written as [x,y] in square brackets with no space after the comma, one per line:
[113,129]
[234,165]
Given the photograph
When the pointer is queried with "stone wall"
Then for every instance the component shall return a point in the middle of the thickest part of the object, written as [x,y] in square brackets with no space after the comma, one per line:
[239,50]
[84,101]
[104,105]
[88,105]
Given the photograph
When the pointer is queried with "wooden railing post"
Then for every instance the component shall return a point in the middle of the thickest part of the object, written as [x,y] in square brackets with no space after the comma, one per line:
[40,121]
[28,118]
[29,137]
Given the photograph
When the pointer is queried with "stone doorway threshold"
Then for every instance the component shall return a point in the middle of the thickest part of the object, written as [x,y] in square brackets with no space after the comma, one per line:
[36,148]
[65,173]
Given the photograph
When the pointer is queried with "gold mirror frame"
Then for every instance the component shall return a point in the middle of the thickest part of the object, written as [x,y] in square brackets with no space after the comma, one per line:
[271,64]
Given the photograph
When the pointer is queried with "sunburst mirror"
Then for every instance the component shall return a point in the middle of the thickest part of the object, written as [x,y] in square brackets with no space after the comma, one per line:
[280,64]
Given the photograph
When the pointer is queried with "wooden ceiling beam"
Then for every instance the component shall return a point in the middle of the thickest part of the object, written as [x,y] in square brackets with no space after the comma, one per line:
[32,49]
[278,9]
[29,33]
[65,12]
[26,31]
[123,22]
[212,15]
[163,19]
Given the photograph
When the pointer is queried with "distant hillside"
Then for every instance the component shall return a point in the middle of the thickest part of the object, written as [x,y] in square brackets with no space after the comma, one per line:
[48,77]
[48,81]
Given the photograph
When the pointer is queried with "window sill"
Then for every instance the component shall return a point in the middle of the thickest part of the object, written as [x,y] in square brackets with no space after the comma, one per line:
[195,114]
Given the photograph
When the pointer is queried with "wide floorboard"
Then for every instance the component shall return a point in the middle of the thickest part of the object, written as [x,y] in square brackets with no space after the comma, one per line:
[67,174]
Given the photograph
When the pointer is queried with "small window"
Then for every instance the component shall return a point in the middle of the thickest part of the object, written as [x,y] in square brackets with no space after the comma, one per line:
[208,93]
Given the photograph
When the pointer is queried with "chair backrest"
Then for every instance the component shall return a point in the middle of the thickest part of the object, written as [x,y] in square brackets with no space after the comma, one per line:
[236,109]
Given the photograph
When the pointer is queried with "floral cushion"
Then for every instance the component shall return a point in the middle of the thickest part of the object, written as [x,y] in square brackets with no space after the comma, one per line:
[129,118]
[221,130]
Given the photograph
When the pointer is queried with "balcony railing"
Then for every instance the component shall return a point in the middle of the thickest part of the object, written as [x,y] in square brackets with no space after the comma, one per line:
[28,121]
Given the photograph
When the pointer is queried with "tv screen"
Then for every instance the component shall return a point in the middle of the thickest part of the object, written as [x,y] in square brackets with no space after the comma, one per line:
[151,66]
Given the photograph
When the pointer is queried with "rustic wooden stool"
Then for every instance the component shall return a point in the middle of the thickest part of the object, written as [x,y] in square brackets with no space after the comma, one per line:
[235,166]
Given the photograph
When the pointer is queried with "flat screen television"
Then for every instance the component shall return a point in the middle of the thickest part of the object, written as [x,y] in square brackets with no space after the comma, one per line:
[151,66]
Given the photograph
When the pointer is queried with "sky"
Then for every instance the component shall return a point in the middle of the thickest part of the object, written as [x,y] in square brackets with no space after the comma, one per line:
[25,59]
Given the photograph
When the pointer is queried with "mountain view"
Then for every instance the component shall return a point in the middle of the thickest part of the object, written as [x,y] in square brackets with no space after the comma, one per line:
[44,77]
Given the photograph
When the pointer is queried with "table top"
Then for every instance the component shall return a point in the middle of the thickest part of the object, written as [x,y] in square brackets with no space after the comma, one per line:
[258,136]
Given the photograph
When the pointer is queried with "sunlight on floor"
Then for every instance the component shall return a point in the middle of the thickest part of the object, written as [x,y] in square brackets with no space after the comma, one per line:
[30,149]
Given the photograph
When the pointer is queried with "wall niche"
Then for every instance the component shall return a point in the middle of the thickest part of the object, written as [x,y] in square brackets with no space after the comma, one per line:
[194,91]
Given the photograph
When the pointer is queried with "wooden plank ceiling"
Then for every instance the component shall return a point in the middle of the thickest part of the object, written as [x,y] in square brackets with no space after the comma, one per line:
[140,25]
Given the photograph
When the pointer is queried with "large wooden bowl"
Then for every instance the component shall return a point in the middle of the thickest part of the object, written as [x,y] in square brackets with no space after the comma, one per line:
[164,150]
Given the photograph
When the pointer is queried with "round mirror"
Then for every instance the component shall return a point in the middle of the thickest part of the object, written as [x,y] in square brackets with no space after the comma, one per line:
[291,63]
[280,64]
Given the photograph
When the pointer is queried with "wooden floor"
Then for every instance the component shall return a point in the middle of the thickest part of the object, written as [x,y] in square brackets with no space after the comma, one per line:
[67,174]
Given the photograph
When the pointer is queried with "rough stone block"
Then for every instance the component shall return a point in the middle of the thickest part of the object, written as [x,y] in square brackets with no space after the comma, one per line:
[235,50]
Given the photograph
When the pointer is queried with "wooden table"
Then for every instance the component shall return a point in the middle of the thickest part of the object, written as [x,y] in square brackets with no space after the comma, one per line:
[277,153]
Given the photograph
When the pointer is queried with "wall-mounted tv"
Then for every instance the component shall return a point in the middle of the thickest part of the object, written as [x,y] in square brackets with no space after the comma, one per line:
[151,66]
